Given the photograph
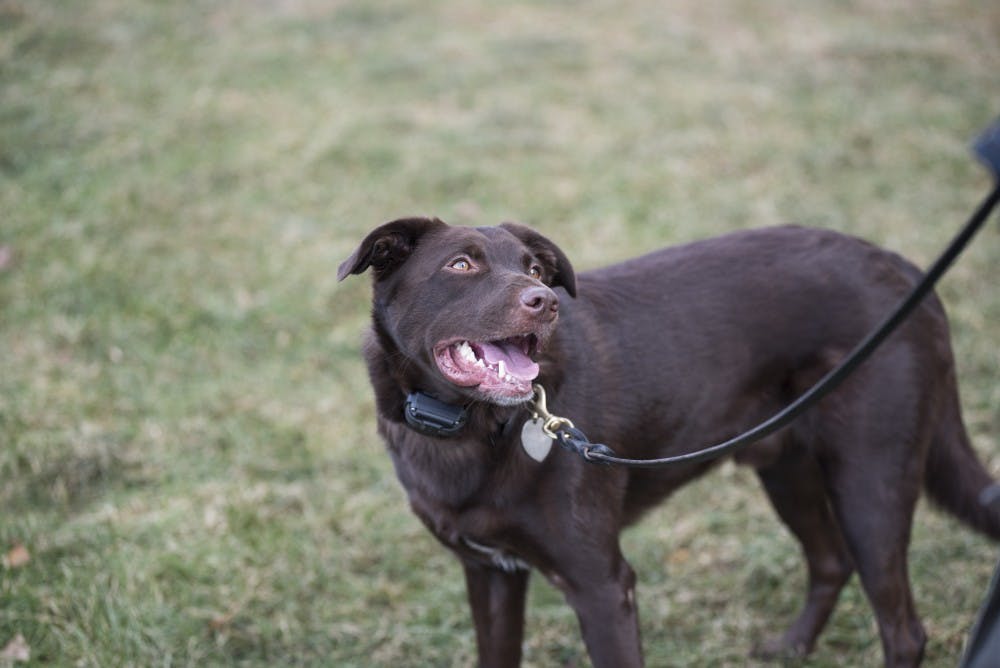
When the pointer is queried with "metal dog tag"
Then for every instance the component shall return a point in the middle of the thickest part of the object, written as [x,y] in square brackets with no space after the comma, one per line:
[535,441]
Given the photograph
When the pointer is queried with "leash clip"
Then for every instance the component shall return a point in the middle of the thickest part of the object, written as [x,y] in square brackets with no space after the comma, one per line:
[539,411]
[562,431]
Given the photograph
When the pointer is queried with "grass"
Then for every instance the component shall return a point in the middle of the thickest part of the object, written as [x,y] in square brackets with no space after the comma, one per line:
[186,436]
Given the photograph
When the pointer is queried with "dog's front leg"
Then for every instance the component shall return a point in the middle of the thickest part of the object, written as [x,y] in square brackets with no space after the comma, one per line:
[497,601]
[604,601]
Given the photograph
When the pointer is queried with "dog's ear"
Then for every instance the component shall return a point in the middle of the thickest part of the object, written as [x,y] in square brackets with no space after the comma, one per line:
[547,252]
[387,246]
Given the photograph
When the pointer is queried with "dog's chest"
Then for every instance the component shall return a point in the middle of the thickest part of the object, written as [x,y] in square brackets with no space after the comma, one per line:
[445,483]
[472,533]
[476,533]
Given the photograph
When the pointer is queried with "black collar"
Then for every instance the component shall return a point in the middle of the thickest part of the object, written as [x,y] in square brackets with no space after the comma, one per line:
[431,417]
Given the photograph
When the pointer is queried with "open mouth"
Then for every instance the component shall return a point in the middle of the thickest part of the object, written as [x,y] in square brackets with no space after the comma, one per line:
[502,369]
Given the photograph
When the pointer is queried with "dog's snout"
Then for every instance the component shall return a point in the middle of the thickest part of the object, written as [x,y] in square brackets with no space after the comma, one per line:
[539,300]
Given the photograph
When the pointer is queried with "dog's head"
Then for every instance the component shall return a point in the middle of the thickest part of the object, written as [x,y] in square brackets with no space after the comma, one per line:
[470,307]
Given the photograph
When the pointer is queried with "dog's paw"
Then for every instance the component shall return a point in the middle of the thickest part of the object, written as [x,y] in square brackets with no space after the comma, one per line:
[778,649]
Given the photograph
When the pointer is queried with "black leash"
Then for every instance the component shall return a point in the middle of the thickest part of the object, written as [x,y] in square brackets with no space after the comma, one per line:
[987,148]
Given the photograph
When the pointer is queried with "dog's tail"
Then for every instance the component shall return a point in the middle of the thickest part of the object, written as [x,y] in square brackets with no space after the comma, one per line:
[955,478]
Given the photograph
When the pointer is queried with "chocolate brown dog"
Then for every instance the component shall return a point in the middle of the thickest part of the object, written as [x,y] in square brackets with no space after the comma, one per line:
[658,355]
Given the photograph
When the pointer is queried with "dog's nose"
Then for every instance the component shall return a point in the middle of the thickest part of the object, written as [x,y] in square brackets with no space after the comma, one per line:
[539,299]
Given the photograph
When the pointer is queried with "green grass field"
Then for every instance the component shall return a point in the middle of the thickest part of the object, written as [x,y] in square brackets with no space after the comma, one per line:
[187,449]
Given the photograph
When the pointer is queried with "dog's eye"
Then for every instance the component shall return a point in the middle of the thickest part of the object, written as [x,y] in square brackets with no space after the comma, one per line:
[535,271]
[460,264]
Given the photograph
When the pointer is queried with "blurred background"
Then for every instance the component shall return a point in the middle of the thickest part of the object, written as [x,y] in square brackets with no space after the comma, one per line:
[189,472]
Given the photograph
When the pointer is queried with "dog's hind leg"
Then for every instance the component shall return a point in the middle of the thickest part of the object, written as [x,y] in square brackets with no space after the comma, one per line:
[795,485]
[876,513]
[497,599]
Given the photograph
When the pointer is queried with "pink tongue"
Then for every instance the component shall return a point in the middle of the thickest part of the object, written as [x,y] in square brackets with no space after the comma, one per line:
[517,363]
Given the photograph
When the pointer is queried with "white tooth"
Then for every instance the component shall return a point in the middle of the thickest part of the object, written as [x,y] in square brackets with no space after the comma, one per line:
[501,369]
[465,350]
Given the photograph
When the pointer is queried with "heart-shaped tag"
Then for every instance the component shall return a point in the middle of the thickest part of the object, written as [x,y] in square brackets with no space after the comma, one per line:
[535,441]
